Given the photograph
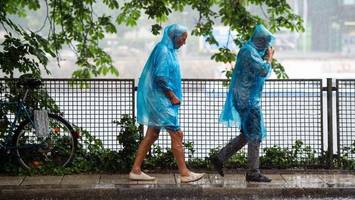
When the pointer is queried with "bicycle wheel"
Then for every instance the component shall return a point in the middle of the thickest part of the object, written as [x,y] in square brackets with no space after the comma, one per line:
[55,149]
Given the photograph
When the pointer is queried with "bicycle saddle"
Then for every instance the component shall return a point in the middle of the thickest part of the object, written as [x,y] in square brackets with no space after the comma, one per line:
[30,83]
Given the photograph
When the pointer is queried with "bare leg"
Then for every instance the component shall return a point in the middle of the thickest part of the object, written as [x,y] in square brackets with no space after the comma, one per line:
[150,137]
[178,151]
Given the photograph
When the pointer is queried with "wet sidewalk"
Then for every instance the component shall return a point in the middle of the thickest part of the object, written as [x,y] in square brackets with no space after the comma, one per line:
[167,186]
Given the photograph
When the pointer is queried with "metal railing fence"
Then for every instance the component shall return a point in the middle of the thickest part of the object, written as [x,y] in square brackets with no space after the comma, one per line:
[293,110]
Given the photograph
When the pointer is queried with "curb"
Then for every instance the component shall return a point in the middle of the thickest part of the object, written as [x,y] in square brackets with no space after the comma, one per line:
[129,192]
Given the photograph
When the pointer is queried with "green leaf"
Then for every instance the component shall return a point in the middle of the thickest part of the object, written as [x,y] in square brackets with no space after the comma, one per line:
[156,29]
[77,24]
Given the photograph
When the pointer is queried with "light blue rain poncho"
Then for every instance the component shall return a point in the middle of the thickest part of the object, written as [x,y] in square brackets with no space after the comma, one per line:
[242,105]
[161,73]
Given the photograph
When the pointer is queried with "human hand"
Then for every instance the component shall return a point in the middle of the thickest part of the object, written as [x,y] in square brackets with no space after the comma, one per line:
[175,101]
[270,54]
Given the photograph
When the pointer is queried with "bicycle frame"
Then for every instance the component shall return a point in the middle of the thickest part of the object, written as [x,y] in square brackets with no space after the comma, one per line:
[21,111]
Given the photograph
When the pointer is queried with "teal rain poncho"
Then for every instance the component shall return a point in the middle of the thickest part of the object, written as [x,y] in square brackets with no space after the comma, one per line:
[160,74]
[242,105]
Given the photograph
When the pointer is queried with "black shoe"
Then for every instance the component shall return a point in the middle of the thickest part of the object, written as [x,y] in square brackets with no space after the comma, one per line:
[257,177]
[217,164]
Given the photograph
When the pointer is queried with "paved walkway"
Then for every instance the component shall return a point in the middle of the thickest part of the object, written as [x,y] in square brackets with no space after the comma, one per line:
[168,186]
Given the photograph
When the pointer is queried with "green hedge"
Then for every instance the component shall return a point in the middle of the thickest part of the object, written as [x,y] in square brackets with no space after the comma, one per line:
[92,157]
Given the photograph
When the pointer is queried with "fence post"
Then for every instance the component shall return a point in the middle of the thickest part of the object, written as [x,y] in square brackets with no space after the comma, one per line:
[330,122]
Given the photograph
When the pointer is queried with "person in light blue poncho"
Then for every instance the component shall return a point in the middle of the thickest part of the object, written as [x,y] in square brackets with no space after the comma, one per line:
[242,106]
[158,100]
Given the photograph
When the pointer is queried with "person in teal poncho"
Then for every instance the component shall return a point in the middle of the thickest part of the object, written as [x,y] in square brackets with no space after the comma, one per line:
[158,100]
[242,106]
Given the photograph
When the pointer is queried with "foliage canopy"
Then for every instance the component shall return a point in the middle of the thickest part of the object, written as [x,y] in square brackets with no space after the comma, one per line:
[77,24]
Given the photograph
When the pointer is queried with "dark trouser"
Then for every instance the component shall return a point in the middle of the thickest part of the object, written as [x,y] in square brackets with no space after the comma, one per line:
[235,145]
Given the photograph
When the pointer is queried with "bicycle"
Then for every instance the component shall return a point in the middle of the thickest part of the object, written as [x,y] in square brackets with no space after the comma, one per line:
[54,147]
